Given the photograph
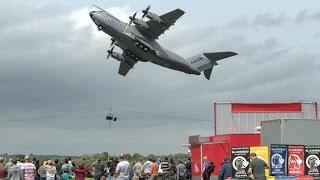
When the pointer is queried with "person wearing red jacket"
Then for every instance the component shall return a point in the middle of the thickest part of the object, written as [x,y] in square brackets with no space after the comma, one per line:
[80,171]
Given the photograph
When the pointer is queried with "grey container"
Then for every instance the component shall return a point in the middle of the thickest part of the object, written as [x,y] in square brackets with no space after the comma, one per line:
[290,131]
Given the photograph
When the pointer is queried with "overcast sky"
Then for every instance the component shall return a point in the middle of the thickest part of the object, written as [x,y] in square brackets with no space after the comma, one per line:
[57,85]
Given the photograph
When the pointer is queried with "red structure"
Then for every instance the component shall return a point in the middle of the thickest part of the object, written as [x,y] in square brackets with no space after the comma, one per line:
[216,148]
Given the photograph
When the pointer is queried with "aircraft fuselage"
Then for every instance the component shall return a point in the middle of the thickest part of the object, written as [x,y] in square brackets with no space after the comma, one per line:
[137,46]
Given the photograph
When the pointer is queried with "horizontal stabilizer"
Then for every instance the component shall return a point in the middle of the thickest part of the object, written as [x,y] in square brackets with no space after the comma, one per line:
[124,68]
[207,73]
[219,55]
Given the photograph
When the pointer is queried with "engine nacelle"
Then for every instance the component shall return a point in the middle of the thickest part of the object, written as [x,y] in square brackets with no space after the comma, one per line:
[141,23]
[154,16]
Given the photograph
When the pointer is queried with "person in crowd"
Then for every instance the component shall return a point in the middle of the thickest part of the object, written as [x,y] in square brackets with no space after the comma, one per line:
[36,162]
[207,168]
[66,175]
[112,165]
[42,171]
[154,169]
[137,170]
[28,169]
[67,166]
[146,169]
[122,169]
[20,162]
[131,173]
[3,169]
[14,171]
[189,168]
[172,169]
[98,169]
[257,167]
[71,162]
[58,165]
[80,171]
[9,164]
[50,170]
[165,168]
[181,170]
[225,169]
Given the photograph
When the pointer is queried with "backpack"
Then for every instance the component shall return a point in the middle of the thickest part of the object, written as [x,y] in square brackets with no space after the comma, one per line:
[211,167]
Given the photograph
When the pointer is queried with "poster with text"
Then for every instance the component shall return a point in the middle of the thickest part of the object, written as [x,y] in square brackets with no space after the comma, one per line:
[295,160]
[278,157]
[240,158]
[312,160]
[262,153]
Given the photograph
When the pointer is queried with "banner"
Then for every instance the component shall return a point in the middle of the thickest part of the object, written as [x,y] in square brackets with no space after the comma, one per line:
[274,107]
[240,157]
[312,160]
[262,153]
[295,160]
[278,154]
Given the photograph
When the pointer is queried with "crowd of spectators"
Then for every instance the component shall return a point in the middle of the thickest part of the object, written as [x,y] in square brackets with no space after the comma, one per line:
[117,168]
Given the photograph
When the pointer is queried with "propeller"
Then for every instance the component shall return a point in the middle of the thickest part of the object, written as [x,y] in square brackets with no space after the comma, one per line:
[132,18]
[112,41]
[110,52]
[145,12]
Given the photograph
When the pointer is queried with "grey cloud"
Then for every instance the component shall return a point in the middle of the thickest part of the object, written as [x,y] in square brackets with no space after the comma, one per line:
[48,68]
[269,19]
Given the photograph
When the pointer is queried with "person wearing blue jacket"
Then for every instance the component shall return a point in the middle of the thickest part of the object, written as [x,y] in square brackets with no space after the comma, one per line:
[225,169]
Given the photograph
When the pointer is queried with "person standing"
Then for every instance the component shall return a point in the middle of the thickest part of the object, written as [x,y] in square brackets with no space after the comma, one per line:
[9,163]
[42,171]
[80,171]
[112,165]
[50,170]
[172,169]
[3,169]
[189,168]
[154,169]
[98,169]
[122,169]
[67,166]
[225,169]
[14,172]
[257,167]
[165,168]
[66,175]
[207,168]
[181,170]
[146,169]
[137,170]
[28,169]
[58,165]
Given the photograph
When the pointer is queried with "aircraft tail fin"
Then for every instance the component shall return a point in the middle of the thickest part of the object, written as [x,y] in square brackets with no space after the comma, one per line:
[206,61]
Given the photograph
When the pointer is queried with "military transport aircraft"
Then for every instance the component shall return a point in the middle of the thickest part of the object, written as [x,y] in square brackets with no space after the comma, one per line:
[137,39]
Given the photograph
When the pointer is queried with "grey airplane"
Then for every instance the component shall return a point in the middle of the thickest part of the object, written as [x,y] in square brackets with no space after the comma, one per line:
[138,38]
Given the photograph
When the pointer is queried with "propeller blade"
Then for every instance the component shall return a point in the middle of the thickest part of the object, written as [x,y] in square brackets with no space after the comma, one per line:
[145,12]
[132,18]
[110,52]
[112,41]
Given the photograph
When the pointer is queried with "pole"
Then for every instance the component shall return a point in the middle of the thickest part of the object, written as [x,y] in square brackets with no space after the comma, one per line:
[109,137]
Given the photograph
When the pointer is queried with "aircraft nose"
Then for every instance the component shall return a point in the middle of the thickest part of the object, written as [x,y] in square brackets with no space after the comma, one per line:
[91,13]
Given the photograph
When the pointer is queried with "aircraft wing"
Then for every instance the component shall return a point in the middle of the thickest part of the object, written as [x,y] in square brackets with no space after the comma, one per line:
[125,65]
[157,28]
